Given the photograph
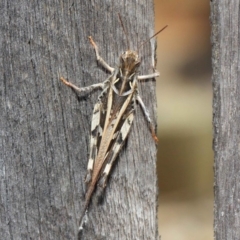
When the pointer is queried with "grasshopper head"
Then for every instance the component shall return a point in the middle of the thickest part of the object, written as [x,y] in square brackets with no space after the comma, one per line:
[130,62]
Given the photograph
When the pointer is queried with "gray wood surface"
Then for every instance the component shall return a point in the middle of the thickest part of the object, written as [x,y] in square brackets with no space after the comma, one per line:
[45,125]
[226,112]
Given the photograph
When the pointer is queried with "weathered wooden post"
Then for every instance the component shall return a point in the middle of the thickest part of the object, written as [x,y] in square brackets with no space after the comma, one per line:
[45,126]
[226,118]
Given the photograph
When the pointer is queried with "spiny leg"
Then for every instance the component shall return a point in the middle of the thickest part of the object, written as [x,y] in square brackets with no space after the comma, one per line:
[99,58]
[113,153]
[147,115]
[95,134]
[84,89]
[95,131]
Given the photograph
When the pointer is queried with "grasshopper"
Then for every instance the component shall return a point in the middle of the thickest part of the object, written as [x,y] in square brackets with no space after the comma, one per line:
[112,117]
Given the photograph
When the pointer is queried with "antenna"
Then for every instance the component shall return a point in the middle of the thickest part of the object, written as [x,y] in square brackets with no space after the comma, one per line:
[151,37]
[124,29]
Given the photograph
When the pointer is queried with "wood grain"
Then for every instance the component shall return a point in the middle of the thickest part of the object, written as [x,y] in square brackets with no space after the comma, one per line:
[226,115]
[45,125]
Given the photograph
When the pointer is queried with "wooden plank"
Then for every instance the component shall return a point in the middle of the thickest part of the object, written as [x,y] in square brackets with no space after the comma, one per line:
[45,126]
[226,118]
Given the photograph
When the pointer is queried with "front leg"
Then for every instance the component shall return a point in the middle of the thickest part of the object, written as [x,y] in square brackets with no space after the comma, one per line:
[149,76]
[99,58]
[84,89]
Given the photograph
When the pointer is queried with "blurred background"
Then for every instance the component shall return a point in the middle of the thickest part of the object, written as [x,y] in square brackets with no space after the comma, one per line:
[185,156]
